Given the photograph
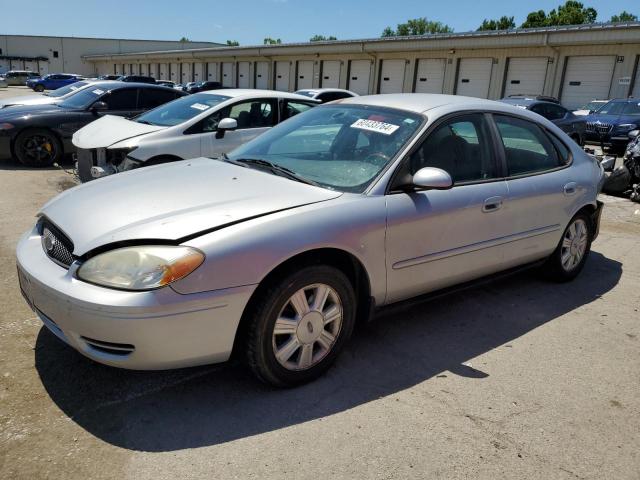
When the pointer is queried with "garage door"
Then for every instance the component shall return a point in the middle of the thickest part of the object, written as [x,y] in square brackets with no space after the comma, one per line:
[212,71]
[31,66]
[430,75]
[526,76]
[587,78]
[175,72]
[198,72]
[262,75]
[392,76]
[227,74]
[164,71]
[330,74]
[244,75]
[474,77]
[187,72]
[153,70]
[305,75]
[282,76]
[359,76]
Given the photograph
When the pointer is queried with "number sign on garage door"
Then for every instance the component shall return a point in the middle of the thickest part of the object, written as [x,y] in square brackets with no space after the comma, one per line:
[304,78]
[526,76]
[282,76]
[243,74]
[330,74]
[587,78]
[474,77]
[392,76]
[262,75]
[430,75]
[227,74]
[359,76]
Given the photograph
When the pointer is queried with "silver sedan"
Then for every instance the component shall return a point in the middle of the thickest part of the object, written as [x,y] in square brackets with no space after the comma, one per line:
[276,250]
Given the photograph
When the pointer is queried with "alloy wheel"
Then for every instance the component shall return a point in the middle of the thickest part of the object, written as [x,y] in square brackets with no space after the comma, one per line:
[39,148]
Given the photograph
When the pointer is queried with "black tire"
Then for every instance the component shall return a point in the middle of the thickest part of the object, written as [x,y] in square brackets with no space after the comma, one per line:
[27,143]
[269,305]
[38,88]
[554,268]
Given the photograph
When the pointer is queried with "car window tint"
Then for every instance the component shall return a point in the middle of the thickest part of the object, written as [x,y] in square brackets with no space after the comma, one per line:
[527,148]
[563,151]
[459,146]
[123,99]
[153,97]
[253,114]
[294,108]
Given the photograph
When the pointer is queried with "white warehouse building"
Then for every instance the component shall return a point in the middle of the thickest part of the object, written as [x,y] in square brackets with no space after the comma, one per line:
[573,63]
[66,54]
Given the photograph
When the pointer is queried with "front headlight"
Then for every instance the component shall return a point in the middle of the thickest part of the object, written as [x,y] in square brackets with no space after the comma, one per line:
[627,127]
[141,268]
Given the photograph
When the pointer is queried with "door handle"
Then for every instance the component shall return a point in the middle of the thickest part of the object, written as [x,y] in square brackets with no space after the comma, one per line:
[570,188]
[492,204]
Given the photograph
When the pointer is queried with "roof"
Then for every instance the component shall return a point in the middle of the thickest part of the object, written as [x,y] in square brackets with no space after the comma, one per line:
[526,101]
[419,102]
[252,92]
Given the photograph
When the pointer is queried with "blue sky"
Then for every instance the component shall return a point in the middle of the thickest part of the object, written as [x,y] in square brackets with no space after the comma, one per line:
[249,21]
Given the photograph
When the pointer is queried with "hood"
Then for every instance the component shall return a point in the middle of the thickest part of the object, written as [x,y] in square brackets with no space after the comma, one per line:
[110,129]
[172,201]
[27,100]
[616,119]
[25,110]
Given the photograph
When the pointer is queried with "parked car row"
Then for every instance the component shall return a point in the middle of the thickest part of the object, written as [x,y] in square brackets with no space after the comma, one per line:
[297,220]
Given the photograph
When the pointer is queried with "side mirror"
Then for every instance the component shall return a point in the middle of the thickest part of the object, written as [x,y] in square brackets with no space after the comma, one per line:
[99,107]
[227,124]
[432,178]
[633,134]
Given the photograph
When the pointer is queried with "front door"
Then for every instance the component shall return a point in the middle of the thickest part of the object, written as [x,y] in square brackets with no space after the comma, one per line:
[438,238]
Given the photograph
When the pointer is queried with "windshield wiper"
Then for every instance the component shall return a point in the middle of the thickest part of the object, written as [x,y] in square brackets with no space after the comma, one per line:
[274,167]
[145,122]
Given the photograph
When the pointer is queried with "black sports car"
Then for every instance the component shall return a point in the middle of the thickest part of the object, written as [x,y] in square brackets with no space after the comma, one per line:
[39,135]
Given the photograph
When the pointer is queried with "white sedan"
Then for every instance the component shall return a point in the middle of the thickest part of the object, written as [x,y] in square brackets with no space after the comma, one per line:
[204,124]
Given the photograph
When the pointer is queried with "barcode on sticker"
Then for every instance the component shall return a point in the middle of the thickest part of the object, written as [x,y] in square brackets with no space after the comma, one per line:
[200,106]
[374,126]
[97,91]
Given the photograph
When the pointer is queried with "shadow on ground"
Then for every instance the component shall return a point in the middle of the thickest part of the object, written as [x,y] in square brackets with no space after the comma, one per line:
[14,164]
[172,410]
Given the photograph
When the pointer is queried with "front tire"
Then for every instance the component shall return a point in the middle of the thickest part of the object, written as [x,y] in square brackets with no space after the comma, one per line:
[37,148]
[299,324]
[569,257]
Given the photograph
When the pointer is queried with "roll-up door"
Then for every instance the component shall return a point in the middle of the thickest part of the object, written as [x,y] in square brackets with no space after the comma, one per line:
[392,76]
[144,69]
[587,78]
[198,69]
[526,76]
[474,77]
[227,74]
[212,71]
[430,75]
[330,74]
[282,76]
[164,71]
[175,72]
[262,75]
[153,70]
[244,78]
[304,77]
[187,72]
[31,65]
[359,76]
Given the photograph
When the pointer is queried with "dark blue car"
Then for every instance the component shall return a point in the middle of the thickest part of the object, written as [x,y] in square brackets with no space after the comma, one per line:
[52,81]
[612,123]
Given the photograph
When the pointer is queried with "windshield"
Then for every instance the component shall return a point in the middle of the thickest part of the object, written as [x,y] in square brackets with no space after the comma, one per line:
[620,108]
[306,93]
[181,110]
[59,92]
[83,98]
[341,147]
[592,106]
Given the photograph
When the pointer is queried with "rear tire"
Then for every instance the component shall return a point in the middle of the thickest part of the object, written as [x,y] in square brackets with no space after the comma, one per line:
[569,257]
[37,147]
[39,88]
[299,324]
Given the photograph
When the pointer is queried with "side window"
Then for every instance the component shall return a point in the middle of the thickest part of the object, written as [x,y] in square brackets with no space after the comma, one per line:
[123,99]
[64,77]
[152,97]
[527,147]
[556,112]
[461,146]
[253,114]
[292,108]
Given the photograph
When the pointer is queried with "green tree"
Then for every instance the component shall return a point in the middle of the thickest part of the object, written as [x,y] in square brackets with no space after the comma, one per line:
[571,13]
[233,43]
[624,17]
[417,26]
[184,40]
[272,41]
[503,23]
[321,38]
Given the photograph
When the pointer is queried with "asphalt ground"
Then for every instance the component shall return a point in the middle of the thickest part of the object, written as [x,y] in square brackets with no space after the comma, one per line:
[514,378]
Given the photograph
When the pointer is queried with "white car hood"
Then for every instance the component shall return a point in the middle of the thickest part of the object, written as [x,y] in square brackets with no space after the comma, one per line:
[172,201]
[108,130]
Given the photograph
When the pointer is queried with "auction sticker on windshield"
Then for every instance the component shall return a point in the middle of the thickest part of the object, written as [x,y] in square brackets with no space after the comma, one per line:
[97,91]
[200,106]
[375,126]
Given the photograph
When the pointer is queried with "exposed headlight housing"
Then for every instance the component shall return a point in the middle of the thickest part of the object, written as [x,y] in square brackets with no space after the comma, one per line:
[141,267]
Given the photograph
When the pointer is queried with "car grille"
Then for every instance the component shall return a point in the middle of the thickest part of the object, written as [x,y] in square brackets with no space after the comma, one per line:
[56,244]
[598,127]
